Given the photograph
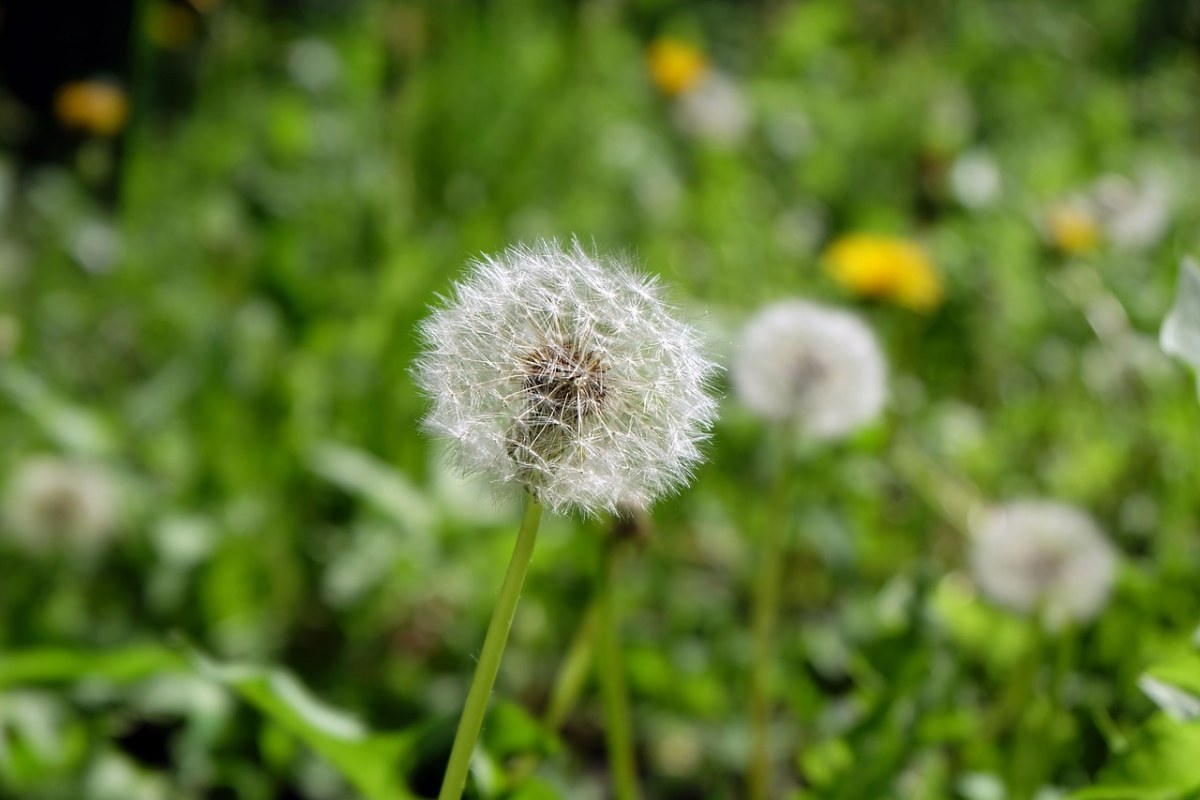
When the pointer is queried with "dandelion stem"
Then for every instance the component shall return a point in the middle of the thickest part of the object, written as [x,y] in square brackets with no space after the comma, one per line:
[574,670]
[766,604]
[618,730]
[568,685]
[953,498]
[471,722]
[766,609]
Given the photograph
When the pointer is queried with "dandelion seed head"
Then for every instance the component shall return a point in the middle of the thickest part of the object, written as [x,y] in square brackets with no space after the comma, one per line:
[1134,214]
[565,373]
[1038,556]
[819,367]
[975,179]
[55,504]
[715,110]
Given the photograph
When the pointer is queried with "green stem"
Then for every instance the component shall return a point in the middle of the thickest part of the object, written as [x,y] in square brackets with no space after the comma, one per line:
[141,71]
[766,604]
[617,728]
[471,722]
[568,685]
[766,610]
[952,497]
[574,670]
[1036,710]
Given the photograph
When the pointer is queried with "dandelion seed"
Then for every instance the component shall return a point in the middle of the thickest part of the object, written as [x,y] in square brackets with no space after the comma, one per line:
[565,373]
[53,504]
[1038,556]
[885,267]
[818,366]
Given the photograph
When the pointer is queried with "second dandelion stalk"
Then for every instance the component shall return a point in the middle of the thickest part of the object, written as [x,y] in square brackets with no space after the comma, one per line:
[766,611]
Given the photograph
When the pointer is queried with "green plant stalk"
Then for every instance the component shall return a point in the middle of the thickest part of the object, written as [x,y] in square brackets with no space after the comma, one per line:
[618,731]
[1037,708]
[766,604]
[1038,731]
[568,685]
[480,693]
[141,67]
[952,497]
[766,610]
[573,672]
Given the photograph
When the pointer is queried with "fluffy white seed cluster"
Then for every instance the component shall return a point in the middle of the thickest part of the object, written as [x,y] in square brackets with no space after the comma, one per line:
[1038,556]
[54,504]
[565,373]
[817,367]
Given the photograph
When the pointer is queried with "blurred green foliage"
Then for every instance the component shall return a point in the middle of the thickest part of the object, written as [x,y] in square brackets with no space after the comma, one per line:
[232,341]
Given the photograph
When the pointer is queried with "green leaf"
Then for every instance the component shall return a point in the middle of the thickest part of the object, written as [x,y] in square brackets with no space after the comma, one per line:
[511,731]
[1182,670]
[73,428]
[1160,764]
[63,665]
[360,473]
[1180,334]
[372,763]
[1174,684]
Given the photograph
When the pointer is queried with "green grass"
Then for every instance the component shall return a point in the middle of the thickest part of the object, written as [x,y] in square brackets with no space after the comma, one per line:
[244,368]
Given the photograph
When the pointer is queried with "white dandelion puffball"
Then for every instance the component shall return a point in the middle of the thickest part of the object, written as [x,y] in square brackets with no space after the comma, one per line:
[818,367]
[59,505]
[1045,557]
[716,110]
[975,179]
[1135,214]
[565,373]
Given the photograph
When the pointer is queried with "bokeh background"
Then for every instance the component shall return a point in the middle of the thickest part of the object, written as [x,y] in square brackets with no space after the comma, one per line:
[220,222]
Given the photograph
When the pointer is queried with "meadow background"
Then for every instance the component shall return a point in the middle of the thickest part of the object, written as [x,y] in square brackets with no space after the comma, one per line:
[209,289]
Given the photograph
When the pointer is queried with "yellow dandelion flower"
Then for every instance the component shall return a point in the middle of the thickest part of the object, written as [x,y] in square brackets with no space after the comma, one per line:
[96,107]
[675,66]
[171,27]
[885,267]
[1072,229]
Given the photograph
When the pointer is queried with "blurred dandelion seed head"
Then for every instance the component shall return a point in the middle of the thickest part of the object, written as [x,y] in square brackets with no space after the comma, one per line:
[54,504]
[1133,214]
[818,366]
[716,110]
[565,373]
[975,179]
[885,267]
[675,66]
[314,65]
[1038,556]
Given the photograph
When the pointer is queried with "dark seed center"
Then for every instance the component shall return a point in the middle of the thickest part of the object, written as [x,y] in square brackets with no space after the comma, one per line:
[564,383]
[60,509]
